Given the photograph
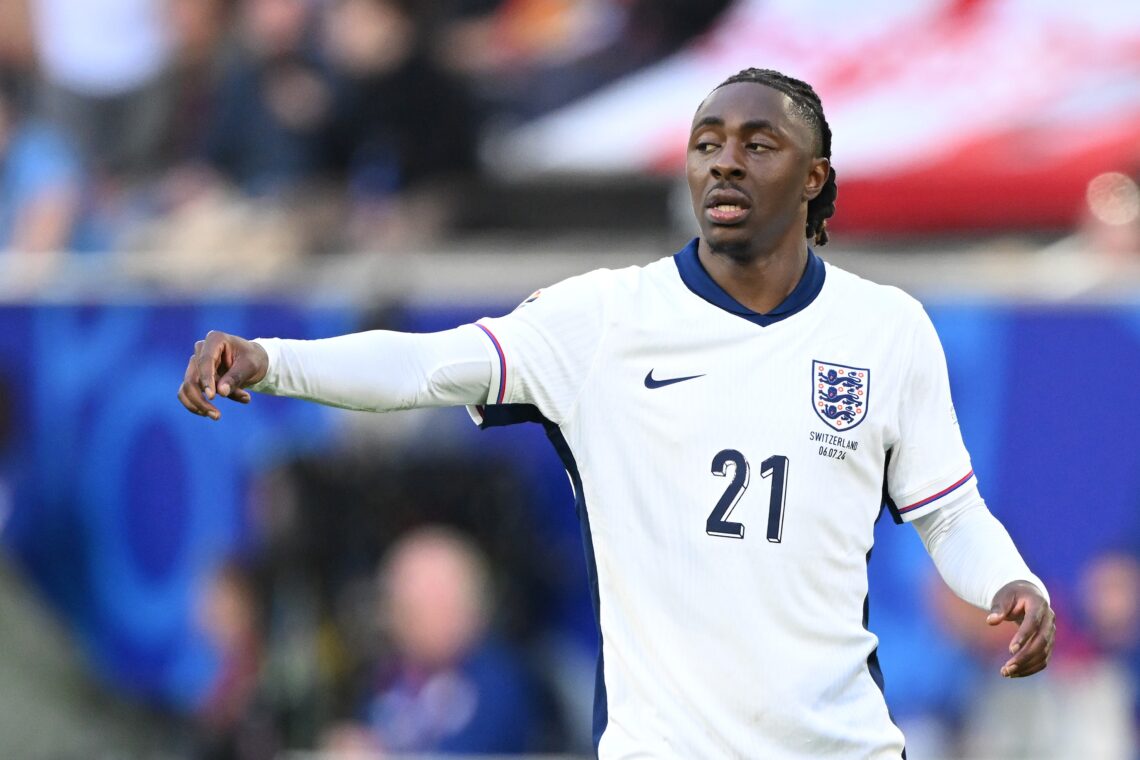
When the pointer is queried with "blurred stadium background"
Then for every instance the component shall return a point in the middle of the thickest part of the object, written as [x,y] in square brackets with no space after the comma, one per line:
[299,581]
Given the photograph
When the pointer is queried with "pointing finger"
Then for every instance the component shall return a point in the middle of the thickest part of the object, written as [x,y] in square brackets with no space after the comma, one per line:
[209,358]
[191,393]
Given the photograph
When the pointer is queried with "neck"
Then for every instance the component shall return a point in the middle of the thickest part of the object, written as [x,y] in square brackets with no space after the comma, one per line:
[760,281]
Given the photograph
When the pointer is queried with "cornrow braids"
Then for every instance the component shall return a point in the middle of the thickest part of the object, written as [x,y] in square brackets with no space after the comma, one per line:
[808,106]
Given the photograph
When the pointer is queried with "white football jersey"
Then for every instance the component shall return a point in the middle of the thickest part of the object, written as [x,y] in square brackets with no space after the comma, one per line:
[729,468]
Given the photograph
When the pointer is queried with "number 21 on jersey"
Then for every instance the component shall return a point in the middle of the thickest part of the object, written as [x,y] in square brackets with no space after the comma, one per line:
[775,466]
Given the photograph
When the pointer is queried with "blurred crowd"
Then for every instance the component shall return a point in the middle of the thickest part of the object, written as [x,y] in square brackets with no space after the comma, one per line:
[416,621]
[283,127]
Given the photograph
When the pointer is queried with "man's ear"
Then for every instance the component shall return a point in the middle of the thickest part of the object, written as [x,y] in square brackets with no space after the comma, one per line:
[816,178]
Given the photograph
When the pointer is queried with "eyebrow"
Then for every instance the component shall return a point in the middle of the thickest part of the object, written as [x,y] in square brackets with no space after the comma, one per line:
[752,125]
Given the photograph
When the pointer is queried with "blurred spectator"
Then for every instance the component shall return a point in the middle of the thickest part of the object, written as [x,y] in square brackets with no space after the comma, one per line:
[233,721]
[1111,595]
[40,181]
[403,124]
[274,104]
[104,64]
[201,33]
[326,655]
[449,685]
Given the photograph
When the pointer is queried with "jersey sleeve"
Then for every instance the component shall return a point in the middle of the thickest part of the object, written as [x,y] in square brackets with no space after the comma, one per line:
[543,351]
[379,370]
[929,462]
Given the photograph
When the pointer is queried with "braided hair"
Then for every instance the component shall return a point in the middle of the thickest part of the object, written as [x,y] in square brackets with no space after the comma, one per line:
[807,104]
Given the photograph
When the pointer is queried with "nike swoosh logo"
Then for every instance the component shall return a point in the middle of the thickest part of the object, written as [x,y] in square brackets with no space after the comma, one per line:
[650,382]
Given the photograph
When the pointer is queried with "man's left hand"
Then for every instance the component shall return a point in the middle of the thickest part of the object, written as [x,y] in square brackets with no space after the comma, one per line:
[1023,603]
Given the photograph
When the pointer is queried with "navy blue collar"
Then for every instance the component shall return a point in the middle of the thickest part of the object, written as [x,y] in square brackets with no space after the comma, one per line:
[699,281]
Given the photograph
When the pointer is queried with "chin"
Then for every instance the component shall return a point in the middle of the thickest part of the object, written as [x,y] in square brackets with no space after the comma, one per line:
[735,247]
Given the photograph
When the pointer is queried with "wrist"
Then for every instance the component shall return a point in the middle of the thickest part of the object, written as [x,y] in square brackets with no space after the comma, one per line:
[263,352]
[1024,585]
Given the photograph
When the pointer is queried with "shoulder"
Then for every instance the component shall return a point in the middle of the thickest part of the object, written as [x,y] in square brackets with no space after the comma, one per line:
[631,276]
[580,288]
[873,300]
[599,285]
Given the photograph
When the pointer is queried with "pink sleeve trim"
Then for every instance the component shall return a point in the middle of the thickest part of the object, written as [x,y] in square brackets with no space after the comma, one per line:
[940,494]
[502,364]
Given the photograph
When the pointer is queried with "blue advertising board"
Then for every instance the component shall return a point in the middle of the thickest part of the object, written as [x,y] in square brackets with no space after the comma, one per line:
[121,500]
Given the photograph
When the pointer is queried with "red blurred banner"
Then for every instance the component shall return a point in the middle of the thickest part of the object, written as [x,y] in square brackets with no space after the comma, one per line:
[946,114]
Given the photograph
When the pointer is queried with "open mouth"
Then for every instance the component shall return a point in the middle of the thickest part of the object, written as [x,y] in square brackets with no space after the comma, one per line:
[727,206]
[726,213]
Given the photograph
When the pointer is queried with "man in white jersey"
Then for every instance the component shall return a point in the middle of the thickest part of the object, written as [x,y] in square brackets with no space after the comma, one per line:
[733,419]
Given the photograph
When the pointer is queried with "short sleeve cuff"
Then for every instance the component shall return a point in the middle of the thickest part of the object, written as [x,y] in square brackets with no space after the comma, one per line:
[498,392]
[498,386]
[926,501]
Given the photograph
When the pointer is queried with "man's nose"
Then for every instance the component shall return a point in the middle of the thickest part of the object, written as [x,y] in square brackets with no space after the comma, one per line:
[728,164]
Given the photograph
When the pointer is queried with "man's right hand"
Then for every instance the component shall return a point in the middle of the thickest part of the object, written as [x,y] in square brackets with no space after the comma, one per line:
[222,365]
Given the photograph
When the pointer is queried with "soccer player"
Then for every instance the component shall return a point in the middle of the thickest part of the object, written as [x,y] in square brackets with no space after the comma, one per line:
[733,419]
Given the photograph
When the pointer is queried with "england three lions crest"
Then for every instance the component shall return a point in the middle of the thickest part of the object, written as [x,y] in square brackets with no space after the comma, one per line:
[840,393]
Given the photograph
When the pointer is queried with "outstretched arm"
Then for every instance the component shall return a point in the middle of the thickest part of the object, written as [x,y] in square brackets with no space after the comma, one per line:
[978,560]
[373,371]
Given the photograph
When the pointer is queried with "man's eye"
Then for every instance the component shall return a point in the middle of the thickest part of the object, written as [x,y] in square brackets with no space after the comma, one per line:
[758,147]
[705,147]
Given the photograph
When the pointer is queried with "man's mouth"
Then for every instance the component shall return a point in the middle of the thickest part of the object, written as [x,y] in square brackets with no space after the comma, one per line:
[726,213]
[727,206]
